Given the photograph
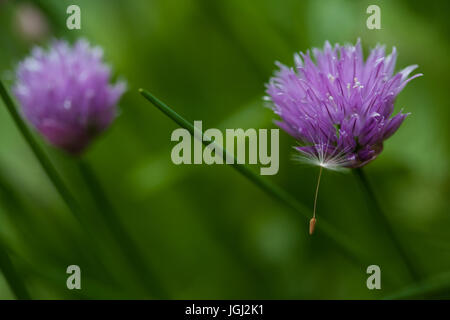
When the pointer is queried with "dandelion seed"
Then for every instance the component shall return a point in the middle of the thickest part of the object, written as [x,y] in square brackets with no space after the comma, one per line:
[312,222]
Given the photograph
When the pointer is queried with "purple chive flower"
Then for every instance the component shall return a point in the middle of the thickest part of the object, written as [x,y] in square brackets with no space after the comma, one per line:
[339,107]
[65,94]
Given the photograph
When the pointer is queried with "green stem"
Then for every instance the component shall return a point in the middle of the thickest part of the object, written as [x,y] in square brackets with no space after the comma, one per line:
[112,221]
[50,170]
[119,232]
[14,281]
[342,243]
[375,207]
[40,155]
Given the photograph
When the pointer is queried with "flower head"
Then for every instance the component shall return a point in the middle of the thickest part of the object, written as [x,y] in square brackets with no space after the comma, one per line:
[339,107]
[66,95]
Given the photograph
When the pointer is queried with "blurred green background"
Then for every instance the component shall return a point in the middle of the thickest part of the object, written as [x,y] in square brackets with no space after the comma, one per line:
[207,232]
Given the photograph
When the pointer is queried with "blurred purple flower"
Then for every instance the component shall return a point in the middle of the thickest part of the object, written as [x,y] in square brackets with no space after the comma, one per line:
[65,94]
[339,107]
